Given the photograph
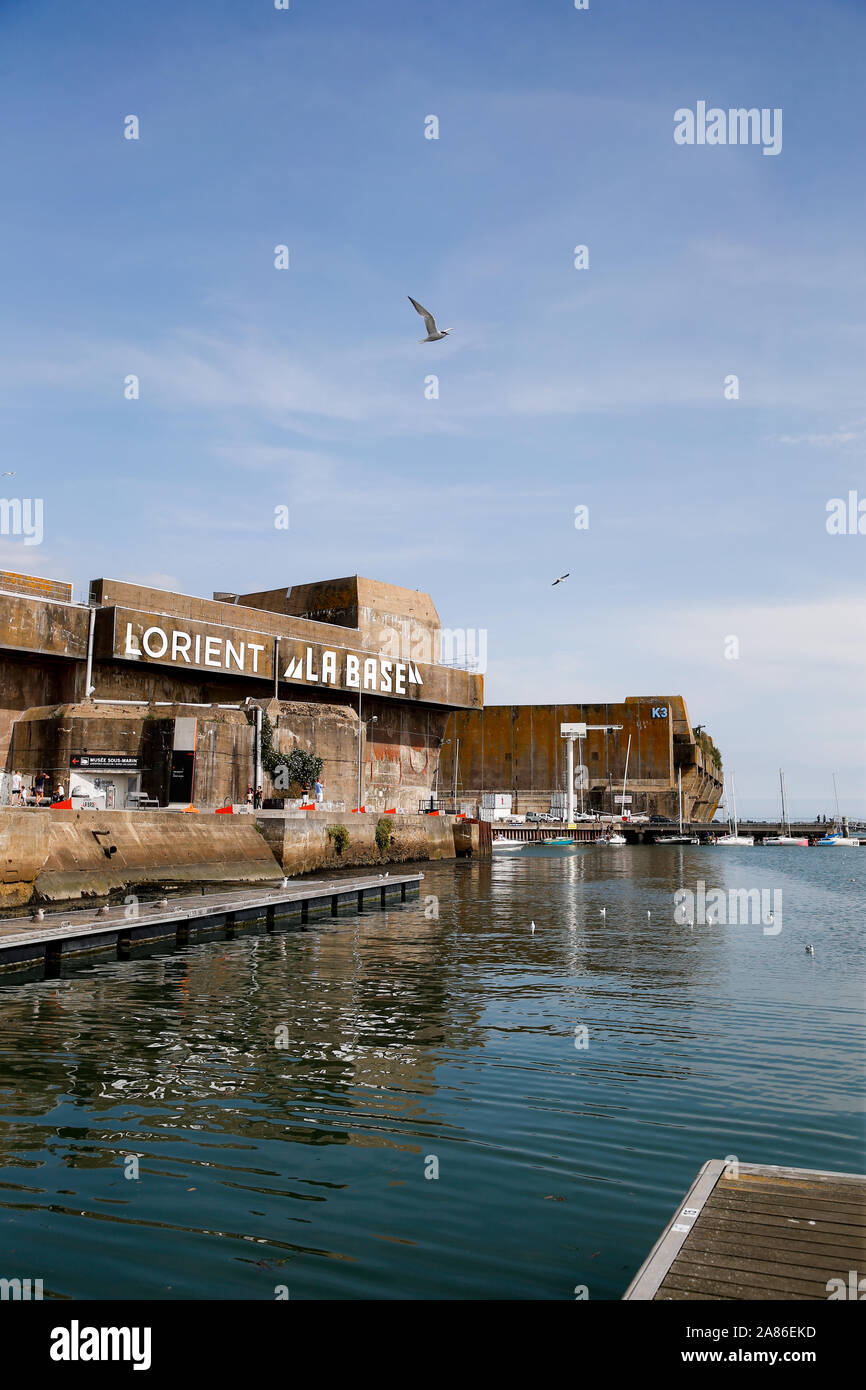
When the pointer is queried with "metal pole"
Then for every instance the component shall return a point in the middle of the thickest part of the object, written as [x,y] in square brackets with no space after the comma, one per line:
[580,764]
[569,783]
[276,668]
[88,688]
[456,761]
[360,730]
[625,774]
[258,751]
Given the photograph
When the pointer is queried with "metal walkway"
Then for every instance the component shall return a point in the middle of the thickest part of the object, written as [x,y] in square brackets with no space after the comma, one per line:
[40,948]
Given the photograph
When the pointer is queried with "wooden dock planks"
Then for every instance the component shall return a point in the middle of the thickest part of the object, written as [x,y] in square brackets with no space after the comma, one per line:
[758,1232]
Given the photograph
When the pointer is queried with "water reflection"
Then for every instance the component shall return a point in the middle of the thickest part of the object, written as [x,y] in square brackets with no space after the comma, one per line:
[270,1084]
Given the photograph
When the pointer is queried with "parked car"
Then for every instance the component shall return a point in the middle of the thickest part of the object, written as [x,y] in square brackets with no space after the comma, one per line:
[661,820]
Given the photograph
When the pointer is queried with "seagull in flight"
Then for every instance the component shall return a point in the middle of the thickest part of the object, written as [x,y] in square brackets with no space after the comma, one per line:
[559,580]
[433,333]
[8,475]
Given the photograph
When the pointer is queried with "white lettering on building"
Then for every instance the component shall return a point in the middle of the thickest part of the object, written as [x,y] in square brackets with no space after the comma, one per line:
[379,673]
[340,670]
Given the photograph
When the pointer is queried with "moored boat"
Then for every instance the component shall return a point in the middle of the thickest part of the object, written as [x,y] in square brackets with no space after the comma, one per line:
[837,836]
[736,838]
[786,838]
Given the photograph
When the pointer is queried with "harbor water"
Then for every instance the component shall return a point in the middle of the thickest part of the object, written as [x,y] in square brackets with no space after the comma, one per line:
[436,1101]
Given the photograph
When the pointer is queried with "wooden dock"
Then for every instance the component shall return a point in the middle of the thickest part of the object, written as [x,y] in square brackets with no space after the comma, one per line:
[40,949]
[766,1233]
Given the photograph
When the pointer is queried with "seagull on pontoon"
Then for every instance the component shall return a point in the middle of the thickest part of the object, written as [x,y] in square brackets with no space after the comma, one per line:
[433,333]
[560,579]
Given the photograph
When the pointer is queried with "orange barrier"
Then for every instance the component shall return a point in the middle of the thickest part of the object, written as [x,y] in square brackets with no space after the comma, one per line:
[224,811]
[61,805]
[187,809]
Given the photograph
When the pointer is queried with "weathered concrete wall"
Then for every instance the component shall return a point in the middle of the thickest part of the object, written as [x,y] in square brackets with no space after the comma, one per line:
[398,747]
[63,856]
[519,749]
[302,846]
[24,684]
[49,856]
[39,625]
[25,843]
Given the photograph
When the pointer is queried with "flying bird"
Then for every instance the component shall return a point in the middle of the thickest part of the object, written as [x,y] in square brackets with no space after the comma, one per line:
[8,475]
[560,579]
[433,333]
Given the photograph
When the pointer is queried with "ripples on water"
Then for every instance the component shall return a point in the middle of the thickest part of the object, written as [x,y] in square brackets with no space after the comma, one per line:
[412,1039]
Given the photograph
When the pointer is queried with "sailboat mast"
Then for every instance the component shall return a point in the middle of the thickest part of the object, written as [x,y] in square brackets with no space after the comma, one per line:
[734,804]
[680,781]
[782,794]
[836,798]
[625,774]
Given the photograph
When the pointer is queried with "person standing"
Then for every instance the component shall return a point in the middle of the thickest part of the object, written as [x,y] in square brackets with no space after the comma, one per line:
[320,792]
[258,798]
[249,798]
[17,788]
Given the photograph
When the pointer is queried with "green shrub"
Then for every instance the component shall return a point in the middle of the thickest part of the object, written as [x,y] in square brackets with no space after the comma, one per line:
[383,834]
[297,769]
[339,837]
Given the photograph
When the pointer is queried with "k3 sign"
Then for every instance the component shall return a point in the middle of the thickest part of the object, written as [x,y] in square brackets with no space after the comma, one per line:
[660,711]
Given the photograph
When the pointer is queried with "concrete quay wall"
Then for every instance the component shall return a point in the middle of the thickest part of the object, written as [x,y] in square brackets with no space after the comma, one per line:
[53,856]
[302,846]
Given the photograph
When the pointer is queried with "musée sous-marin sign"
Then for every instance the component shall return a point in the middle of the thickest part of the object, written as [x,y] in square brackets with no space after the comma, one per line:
[148,637]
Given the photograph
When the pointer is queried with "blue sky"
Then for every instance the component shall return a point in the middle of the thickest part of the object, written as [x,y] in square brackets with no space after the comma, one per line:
[558,387]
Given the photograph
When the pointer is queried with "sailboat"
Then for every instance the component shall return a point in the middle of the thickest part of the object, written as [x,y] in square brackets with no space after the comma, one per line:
[736,838]
[681,838]
[786,838]
[837,838]
[613,837]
